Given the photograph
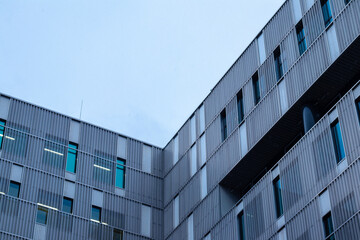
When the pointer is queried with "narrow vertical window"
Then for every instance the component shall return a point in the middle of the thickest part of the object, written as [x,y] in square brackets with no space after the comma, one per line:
[176,149]
[14,189]
[223,125]
[41,216]
[278,198]
[176,212]
[328,227]
[2,132]
[67,205]
[193,128]
[326,10]
[71,158]
[202,119]
[346,1]
[256,87]
[357,104]
[300,33]
[278,64]
[240,218]
[96,214]
[337,140]
[118,235]
[120,173]
[240,106]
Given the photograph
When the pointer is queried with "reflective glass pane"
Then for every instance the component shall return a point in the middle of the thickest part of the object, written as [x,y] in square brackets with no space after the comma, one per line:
[67,205]
[338,141]
[120,173]
[96,213]
[41,216]
[2,130]
[71,158]
[14,189]
[118,235]
[278,198]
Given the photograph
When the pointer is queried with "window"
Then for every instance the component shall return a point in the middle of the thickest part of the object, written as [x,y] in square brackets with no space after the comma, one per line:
[337,140]
[328,227]
[193,160]
[357,104]
[2,131]
[278,64]
[346,2]
[71,158]
[54,150]
[223,125]
[96,213]
[300,33]
[190,227]
[14,189]
[241,225]
[278,198]
[176,149]
[67,205]
[176,212]
[120,173]
[103,170]
[325,7]
[118,234]
[202,119]
[240,106]
[203,183]
[193,128]
[261,48]
[41,216]
[256,87]
[146,220]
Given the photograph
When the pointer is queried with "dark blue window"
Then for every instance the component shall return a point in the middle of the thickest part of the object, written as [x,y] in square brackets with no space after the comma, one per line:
[326,10]
[256,87]
[71,158]
[337,140]
[120,173]
[346,2]
[328,227]
[278,64]
[14,189]
[118,234]
[223,125]
[2,132]
[41,216]
[300,33]
[278,198]
[67,205]
[241,225]
[357,104]
[240,106]
[96,213]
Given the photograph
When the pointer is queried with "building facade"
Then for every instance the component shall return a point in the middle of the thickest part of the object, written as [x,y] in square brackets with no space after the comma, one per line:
[271,153]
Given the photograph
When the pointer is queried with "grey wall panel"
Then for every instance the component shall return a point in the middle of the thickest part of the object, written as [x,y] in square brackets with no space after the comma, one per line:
[134,149]
[279,25]
[350,230]
[347,27]
[207,214]
[180,233]
[227,228]
[5,170]
[82,205]
[184,139]
[157,162]
[313,23]
[114,211]
[336,6]
[290,49]
[232,115]
[247,64]
[248,95]
[157,223]
[189,196]
[168,220]
[267,70]
[168,157]
[213,136]
[257,125]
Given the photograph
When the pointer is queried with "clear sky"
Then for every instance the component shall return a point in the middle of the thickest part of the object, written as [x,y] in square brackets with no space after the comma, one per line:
[140,67]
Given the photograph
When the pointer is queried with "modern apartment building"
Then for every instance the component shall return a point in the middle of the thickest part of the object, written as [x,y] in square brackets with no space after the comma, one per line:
[271,153]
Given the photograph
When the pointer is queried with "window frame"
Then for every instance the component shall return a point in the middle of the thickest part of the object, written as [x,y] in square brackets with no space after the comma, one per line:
[72,204]
[256,88]
[338,142]
[223,125]
[279,209]
[241,225]
[326,12]
[301,38]
[19,187]
[328,226]
[72,149]
[120,167]
[240,106]
[98,208]
[44,210]
[279,70]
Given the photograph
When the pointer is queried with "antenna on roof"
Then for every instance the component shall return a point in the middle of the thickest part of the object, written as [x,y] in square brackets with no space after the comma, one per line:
[81,108]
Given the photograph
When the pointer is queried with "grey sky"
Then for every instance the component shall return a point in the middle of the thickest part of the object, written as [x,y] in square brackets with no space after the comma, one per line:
[141,67]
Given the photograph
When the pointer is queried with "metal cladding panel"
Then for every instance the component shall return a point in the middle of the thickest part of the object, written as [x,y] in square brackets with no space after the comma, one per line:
[258,125]
[307,224]
[345,194]
[267,70]
[290,49]
[184,139]
[168,219]
[223,160]
[347,24]
[82,204]
[189,196]
[248,95]
[17,217]
[134,157]
[336,6]
[350,230]
[227,228]
[348,117]
[114,211]
[157,230]
[247,64]
[8,236]
[213,138]
[180,233]
[313,23]
[168,157]
[232,115]
[207,214]
[59,225]
[157,162]
[5,170]
[278,27]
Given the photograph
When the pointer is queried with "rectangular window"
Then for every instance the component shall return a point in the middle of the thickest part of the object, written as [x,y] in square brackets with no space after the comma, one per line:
[41,216]
[193,160]
[96,213]
[256,87]
[176,149]
[193,128]
[67,205]
[14,189]
[278,64]
[357,104]
[176,212]
[145,220]
[71,158]
[278,198]
[300,33]
[337,140]
[190,227]
[120,173]
[346,2]
[328,227]
[223,125]
[118,234]
[240,106]
[2,131]
[240,218]
[261,48]
[203,182]
[326,10]
[202,119]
